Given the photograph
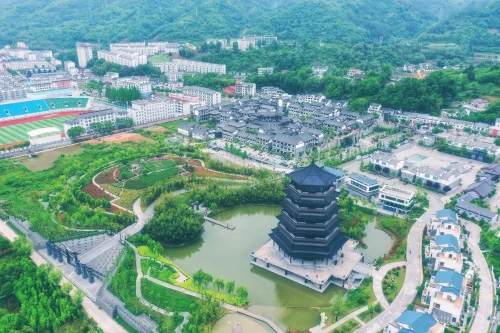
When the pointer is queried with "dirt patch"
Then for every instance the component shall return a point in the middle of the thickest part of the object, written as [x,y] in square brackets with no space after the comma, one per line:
[120,138]
[96,192]
[156,129]
[46,159]
[107,177]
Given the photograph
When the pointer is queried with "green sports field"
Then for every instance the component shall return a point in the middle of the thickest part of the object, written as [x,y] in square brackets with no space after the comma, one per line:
[19,132]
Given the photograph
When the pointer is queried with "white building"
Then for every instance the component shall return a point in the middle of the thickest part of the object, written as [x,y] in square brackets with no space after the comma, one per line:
[12,93]
[145,48]
[209,96]
[123,58]
[445,252]
[363,185]
[191,66]
[85,120]
[247,42]
[265,71]
[142,83]
[158,109]
[84,52]
[396,199]
[444,222]
[45,136]
[310,98]
[386,164]
[445,295]
[245,89]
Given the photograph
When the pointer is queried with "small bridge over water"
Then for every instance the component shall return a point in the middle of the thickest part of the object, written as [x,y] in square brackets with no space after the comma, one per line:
[219,223]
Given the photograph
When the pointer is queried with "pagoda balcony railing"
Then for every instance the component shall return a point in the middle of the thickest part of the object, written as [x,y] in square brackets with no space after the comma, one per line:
[315,241]
[286,219]
[294,189]
[309,214]
[315,200]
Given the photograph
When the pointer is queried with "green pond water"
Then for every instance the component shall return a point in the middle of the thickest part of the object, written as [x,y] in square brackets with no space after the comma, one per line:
[225,254]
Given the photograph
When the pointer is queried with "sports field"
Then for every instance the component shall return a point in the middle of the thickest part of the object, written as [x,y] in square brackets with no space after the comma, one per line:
[19,132]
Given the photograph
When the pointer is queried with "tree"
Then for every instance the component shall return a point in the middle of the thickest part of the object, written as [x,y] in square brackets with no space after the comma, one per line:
[242,294]
[338,307]
[202,279]
[75,132]
[219,284]
[230,285]
[124,123]
[174,223]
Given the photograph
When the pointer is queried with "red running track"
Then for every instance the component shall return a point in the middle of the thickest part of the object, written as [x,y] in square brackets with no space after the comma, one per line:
[31,119]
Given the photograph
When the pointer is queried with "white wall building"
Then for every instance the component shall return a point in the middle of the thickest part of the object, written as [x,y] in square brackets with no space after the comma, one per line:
[158,109]
[84,52]
[142,83]
[209,96]
[85,120]
[396,199]
[245,88]
[123,58]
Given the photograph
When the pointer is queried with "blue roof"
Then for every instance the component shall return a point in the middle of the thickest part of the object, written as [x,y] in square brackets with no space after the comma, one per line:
[450,280]
[447,216]
[448,241]
[417,322]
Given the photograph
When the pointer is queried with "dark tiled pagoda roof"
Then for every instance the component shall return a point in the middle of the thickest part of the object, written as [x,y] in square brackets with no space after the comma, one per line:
[312,175]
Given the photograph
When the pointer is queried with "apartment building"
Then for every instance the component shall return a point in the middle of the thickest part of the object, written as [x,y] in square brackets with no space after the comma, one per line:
[265,71]
[157,109]
[245,89]
[191,66]
[85,53]
[209,96]
[85,120]
[123,58]
[145,48]
[142,83]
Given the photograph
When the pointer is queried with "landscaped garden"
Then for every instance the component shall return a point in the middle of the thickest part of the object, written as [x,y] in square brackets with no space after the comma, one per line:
[392,283]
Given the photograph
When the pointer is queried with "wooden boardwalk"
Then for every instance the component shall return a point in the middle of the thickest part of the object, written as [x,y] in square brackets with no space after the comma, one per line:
[219,223]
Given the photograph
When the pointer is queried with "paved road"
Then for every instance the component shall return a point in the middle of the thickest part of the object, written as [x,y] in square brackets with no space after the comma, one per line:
[414,273]
[378,277]
[103,320]
[481,321]
[337,324]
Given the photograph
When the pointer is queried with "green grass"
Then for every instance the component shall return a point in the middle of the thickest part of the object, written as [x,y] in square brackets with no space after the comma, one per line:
[19,132]
[369,315]
[167,299]
[162,57]
[150,179]
[347,327]
[160,271]
[392,283]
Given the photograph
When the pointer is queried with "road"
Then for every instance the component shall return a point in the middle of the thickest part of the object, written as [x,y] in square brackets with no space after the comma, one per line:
[414,272]
[103,320]
[481,321]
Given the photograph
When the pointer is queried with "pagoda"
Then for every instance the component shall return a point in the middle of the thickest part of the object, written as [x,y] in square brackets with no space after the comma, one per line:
[307,245]
[309,227]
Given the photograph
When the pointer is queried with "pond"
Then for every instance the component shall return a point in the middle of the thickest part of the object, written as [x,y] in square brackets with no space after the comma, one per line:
[225,254]
[378,243]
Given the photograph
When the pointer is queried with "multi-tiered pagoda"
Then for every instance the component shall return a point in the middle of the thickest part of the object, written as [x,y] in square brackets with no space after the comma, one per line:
[307,246]
[308,226]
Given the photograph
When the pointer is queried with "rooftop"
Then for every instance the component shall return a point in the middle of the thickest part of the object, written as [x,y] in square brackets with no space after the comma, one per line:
[418,322]
[312,175]
[448,241]
[447,216]
[449,279]
[363,179]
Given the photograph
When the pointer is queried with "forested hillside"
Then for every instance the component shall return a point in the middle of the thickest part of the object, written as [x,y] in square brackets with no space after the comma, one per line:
[59,23]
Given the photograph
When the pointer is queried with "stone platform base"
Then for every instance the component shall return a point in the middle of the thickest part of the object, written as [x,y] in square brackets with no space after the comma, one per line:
[346,271]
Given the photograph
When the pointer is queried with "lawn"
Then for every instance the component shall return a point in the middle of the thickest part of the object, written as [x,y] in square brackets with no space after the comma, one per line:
[16,133]
[371,313]
[151,179]
[347,327]
[392,283]
[167,299]
[159,271]
[157,58]
[46,159]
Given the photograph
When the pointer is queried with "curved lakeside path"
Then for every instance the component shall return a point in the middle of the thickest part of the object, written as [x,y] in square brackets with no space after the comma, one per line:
[414,272]
[142,218]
